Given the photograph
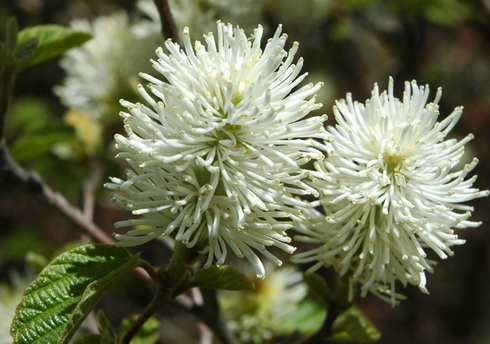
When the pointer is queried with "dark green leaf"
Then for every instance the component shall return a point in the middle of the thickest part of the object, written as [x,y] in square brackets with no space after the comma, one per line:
[107,333]
[147,334]
[26,49]
[318,288]
[89,339]
[56,303]
[11,32]
[54,40]
[223,277]
[96,290]
[182,258]
[354,326]
[6,56]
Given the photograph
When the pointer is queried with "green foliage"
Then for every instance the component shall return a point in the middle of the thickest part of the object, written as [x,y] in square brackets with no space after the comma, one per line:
[88,130]
[11,32]
[448,12]
[307,319]
[26,49]
[223,277]
[34,129]
[9,42]
[57,302]
[54,40]
[443,12]
[107,333]
[6,56]
[354,326]
[147,334]
[35,145]
[18,242]
[318,288]
[90,339]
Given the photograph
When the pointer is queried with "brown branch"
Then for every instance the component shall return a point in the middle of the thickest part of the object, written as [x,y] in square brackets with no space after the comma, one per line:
[169,28]
[161,298]
[89,187]
[14,174]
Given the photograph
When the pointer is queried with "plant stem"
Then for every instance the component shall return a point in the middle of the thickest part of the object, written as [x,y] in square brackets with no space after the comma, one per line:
[150,270]
[339,304]
[209,313]
[8,76]
[169,28]
[161,298]
[89,187]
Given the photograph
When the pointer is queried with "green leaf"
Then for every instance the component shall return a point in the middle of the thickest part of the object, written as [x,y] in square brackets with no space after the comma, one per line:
[89,339]
[307,319]
[223,277]
[26,49]
[59,299]
[6,55]
[107,333]
[318,288]
[36,261]
[178,270]
[11,31]
[147,334]
[32,146]
[448,12]
[54,40]
[354,326]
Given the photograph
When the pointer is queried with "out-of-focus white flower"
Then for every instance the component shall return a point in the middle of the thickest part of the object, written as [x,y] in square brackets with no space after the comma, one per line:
[104,69]
[390,190]
[256,316]
[201,15]
[217,155]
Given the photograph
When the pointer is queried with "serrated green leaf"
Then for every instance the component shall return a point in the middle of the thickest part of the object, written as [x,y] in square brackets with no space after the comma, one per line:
[223,277]
[93,293]
[59,299]
[147,334]
[26,49]
[318,288]
[54,40]
[354,326]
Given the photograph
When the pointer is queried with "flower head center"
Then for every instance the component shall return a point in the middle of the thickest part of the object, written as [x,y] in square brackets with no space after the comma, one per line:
[393,162]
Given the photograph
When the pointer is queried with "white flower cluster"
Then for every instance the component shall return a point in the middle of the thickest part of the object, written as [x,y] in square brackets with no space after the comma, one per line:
[216,154]
[391,189]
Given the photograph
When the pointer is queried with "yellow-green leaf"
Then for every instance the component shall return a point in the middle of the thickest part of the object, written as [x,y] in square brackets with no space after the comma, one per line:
[54,40]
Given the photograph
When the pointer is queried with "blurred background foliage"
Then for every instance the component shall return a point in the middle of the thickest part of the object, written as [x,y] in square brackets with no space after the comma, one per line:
[348,44]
